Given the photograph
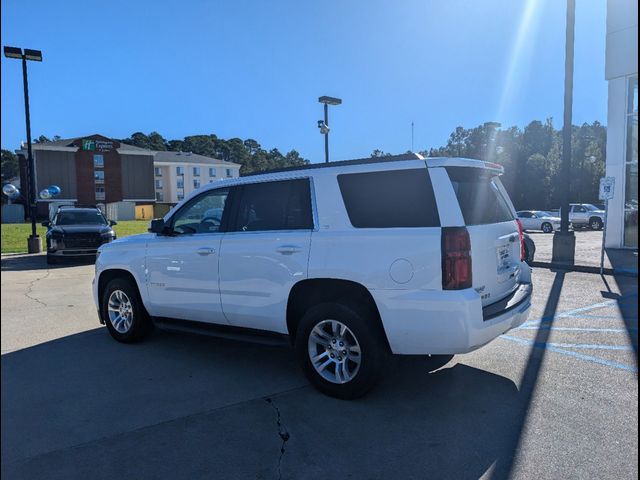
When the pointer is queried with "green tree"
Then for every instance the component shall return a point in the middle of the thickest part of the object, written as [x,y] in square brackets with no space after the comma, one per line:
[10,168]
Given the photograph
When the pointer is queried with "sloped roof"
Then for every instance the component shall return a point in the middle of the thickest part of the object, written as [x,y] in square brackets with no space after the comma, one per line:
[188,157]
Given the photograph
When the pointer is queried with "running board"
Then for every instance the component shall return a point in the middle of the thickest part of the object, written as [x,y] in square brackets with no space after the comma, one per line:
[241,334]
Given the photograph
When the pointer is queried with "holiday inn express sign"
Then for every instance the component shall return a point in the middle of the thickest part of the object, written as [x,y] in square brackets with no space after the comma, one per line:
[91,144]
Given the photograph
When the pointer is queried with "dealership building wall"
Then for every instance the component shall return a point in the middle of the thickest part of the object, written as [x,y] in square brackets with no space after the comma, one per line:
[621,72]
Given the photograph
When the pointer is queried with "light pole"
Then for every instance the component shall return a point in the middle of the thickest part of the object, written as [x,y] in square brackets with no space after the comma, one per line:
[34,245]
[324,125]
[564,241]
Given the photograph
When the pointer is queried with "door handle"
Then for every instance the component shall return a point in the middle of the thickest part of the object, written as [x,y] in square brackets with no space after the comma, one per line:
[206,251]
[288,249]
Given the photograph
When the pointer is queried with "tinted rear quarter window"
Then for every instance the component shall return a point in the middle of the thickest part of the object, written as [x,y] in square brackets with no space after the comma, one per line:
[481,202]
[280,205]
[389,199]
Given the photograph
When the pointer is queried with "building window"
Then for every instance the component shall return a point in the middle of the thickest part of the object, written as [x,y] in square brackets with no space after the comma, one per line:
[98,161]
[159,196]
[179,170]
[631,168]
[158,171]
[180,197]
[229,174]
[100,195]
[180,183]
[212,172]
[196,171]
[158,183]
[196,183]
[98,175]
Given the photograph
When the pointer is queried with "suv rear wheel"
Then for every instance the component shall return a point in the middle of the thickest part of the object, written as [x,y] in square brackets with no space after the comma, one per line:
[341,352]
[123,312]
[547,227]
[595,223]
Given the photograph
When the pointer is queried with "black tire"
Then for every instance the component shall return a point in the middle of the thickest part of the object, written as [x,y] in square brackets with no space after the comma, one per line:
[364,329]
[547,227]
[595,223]
[141,324]
[51,260]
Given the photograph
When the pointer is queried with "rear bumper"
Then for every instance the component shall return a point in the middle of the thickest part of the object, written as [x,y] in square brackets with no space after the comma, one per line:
[447,322]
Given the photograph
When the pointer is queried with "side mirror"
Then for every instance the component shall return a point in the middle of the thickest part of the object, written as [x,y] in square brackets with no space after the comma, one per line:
[112,223]
[46,224]
[158,226]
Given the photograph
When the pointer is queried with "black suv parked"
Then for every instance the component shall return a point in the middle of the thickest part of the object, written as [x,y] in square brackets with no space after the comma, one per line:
[77,233]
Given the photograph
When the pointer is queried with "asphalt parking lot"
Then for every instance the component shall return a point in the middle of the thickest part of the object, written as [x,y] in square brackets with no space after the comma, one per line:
[556,398]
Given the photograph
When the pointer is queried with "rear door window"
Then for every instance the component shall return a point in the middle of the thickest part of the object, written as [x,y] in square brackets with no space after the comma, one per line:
[389,199]
[279,205]
[480,199]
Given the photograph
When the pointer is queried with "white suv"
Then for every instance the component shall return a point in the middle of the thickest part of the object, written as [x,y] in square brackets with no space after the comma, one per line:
[347,261]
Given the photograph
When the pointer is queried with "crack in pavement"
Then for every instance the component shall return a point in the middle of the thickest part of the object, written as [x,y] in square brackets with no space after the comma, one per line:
[143,428]
[32,285]
[282,433]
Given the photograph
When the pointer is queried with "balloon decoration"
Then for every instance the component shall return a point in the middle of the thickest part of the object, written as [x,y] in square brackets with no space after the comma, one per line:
[45,195]
[9,189]
[50,192]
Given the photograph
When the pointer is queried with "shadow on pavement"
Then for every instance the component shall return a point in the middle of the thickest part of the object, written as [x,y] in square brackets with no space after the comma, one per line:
[20,263]
[504,467]
[628,306]
[181,406]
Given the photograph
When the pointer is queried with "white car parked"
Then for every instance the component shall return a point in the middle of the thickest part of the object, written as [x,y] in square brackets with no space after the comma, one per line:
[349,262]
[539,220]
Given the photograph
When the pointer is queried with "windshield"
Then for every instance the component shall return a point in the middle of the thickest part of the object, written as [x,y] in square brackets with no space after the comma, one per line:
[80,218]
[590,207]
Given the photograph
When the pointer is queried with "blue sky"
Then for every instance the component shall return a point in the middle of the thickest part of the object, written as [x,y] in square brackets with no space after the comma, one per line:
[254,69]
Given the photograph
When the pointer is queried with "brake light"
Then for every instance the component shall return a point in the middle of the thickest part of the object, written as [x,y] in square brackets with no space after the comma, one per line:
[521,233]
[456,258]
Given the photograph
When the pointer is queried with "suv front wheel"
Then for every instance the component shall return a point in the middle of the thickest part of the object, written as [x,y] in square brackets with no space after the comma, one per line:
[123,312]
[341,352]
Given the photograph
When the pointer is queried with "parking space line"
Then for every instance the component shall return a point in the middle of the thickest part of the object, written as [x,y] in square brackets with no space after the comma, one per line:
[589,346]
[588,358]
[577,329]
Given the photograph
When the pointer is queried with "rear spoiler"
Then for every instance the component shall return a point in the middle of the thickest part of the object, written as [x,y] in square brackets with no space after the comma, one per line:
[464,162]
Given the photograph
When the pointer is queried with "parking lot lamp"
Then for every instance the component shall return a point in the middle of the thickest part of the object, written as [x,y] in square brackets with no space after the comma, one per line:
[324,125]
[34,244]
[564,241]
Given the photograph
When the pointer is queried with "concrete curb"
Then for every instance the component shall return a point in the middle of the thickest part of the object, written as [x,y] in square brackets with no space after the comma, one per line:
[625,272]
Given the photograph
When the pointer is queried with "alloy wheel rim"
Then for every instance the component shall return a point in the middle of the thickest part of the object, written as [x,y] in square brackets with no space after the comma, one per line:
[120,311]
[334,351]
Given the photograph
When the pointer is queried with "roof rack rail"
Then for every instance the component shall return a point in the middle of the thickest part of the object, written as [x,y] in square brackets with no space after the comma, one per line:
[340,163]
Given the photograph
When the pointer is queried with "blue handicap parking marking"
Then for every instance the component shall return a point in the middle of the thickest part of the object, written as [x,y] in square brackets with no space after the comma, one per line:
[573,349]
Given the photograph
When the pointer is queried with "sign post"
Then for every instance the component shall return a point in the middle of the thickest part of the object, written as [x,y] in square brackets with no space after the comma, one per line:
[607,187]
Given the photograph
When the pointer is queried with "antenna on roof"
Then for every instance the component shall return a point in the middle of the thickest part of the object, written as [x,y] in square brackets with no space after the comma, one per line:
[412,135]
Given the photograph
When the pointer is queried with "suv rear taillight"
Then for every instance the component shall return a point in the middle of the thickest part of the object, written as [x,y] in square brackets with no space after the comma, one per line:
[521,233]
[456,258]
